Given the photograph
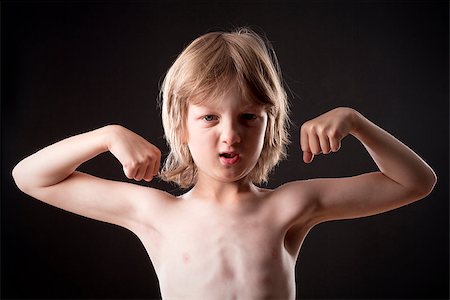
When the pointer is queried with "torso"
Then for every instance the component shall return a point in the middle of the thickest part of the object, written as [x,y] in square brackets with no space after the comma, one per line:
[207,252]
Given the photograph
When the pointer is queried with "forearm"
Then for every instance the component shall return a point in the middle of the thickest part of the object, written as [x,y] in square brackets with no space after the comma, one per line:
[56,162]
[394,159]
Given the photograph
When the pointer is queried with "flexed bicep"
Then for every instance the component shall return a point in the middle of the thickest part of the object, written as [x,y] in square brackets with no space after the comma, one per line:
[403,176]
[49,175]
[125,204]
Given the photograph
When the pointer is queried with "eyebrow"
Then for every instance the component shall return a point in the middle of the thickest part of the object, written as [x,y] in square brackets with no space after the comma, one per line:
[213,104]
[250,105]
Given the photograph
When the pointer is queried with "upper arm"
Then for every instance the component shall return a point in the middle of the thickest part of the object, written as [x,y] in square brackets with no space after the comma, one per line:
[357,196]
[124,204]
[318,200]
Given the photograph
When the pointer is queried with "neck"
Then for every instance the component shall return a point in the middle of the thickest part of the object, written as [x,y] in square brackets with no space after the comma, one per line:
[222,192]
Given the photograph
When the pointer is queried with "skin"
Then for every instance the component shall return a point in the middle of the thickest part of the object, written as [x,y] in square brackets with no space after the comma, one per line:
[226,238]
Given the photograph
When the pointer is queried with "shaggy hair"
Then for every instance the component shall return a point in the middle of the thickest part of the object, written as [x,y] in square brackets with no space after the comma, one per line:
[206,69]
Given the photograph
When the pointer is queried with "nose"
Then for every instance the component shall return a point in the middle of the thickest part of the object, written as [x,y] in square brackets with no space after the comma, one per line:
[230,133]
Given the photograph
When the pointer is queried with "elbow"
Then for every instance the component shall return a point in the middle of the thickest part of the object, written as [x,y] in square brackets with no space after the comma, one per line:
[16,175]
[431,182]
[20,178]
[426,185]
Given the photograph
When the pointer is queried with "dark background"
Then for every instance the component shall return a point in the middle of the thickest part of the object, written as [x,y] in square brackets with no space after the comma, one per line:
[74,66]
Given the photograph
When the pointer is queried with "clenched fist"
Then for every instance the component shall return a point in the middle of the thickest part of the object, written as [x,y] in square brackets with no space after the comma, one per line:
[139,158]
[325,133]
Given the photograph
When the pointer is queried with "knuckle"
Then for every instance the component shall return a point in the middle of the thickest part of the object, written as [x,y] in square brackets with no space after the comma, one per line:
[154,149]
[312,127]
[128,165]
[151,159]
[320,129]
[333,133]
[134,164]
[305,127]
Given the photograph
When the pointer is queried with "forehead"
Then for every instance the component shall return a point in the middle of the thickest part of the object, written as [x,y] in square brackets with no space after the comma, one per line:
[230,95]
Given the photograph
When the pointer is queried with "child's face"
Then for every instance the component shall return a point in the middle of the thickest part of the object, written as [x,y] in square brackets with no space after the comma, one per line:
[225,137]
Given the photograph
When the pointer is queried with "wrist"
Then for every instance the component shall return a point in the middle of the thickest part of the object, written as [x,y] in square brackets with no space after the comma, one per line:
[356,120]
[107,135]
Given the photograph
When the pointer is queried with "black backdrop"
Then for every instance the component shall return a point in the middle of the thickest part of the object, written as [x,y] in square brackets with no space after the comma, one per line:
[75,66]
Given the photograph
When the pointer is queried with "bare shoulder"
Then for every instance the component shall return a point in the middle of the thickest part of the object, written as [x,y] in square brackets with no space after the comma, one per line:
[151,205]
[294,202]
[292,208]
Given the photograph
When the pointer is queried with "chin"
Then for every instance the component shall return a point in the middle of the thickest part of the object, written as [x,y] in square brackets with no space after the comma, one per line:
[236,178]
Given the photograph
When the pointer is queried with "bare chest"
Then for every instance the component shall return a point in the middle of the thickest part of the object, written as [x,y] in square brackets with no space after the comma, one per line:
[224,256]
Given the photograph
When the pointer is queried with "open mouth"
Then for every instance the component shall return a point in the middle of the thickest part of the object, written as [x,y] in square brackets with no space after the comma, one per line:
[227,155]
[229,158]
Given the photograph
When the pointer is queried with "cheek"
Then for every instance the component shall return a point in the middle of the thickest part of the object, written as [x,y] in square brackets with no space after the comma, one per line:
[255,138]
[261,133]
[199,143]
[261,139]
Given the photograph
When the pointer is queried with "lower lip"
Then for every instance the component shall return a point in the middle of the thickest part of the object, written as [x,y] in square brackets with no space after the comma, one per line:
[229,161]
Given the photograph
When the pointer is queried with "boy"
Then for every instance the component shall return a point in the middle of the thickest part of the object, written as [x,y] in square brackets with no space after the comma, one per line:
[225,117]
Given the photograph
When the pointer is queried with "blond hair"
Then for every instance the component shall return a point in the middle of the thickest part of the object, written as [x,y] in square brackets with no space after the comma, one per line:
[207,67]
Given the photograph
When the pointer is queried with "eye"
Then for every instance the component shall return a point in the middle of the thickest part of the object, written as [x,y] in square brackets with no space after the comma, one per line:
[249,117]
[209,118]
